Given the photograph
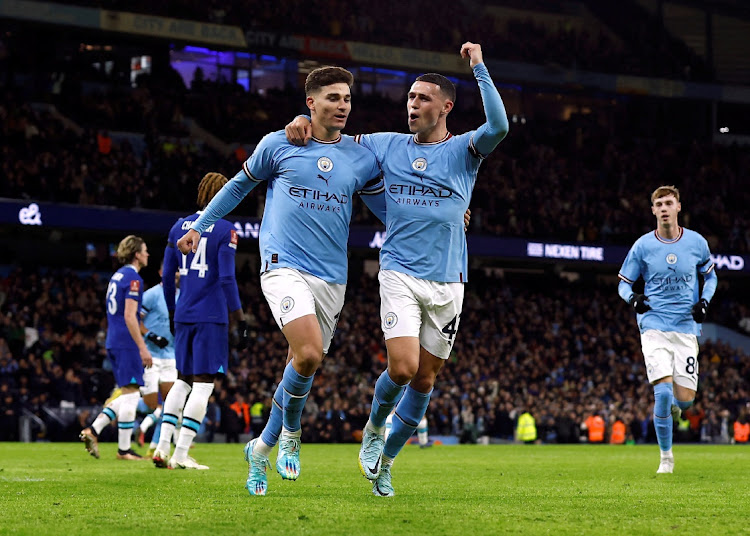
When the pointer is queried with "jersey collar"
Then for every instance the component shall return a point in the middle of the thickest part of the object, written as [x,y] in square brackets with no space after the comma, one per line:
[664,240]
[446,138]
[327,142]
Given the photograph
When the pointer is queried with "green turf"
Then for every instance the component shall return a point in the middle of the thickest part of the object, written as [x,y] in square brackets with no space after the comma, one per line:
[467,490]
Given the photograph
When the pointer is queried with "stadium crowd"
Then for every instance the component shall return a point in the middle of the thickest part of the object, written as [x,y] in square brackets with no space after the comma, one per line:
[561,351]
[443,27]
[569,181]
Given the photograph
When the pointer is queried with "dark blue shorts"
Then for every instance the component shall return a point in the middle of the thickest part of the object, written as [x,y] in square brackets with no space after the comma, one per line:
[126,365]
[201,348]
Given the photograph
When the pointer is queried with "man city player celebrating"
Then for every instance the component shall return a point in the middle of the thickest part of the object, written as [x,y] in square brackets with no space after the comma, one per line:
[668,312]
[303,240]
[429,177]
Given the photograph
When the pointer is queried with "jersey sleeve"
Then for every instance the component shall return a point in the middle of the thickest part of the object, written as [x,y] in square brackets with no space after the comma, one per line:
[148,302]
[227,253]
[169,268]
[631,267]
[261,165]
[706,265]
[376,143]
[706,269]
[135,288]
[487,136]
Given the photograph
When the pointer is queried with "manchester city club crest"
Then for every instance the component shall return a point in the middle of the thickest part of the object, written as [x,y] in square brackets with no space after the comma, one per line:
[420,164]
[287,304]
[390,320]
[325,164]
[671,258]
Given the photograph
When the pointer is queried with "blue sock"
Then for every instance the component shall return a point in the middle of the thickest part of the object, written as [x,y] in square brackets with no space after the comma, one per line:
[387,395]
[296,388]
[409,412]
[683,404]
[662,414]
[270,434]
[157,431]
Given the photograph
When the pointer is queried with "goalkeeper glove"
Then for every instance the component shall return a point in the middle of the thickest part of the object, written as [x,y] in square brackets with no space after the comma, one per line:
[699,310]
[638,302]
[158,340]
[244,334]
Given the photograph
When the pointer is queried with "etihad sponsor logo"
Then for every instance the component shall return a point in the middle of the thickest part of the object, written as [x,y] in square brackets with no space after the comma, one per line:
[728,262]
[420,196]
[419,191]
[309,194]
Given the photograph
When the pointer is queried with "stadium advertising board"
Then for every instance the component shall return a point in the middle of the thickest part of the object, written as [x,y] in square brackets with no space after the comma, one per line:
[58,216]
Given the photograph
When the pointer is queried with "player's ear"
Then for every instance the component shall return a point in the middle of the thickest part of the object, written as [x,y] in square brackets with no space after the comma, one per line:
[447,107]
[310,103]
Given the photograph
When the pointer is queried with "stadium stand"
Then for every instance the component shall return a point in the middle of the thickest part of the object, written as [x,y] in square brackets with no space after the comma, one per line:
[70,133]
[520,348]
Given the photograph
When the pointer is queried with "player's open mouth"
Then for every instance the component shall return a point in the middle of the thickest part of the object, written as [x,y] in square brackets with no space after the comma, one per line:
[413,117]
[340,116]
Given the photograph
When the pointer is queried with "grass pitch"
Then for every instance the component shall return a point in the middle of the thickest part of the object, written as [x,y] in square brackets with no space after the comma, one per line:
[59,489]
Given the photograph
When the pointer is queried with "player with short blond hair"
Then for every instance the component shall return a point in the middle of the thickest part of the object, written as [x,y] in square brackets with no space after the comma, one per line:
[125,348]
[670,260]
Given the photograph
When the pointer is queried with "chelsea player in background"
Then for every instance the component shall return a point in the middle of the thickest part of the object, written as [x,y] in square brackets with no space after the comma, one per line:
[670,310]
[208,290]
[429,177]
[303,249]
[125,348]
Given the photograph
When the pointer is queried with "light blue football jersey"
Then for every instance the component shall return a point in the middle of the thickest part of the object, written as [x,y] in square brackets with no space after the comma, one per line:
[670,270]
[156,319]
[428,189]
[308,203]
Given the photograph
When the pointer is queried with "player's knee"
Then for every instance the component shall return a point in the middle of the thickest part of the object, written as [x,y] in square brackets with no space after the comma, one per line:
[309,358]
[423,383]
[402,373]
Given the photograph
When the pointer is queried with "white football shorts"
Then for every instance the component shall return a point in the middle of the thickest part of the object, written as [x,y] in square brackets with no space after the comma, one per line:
[162,371]
[668,353]
[292,294]
[429,310]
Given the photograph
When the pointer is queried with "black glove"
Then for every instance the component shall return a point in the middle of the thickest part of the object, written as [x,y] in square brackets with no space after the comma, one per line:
[171,322]
[244,334]
[699,311]
[638,302]
[158,340]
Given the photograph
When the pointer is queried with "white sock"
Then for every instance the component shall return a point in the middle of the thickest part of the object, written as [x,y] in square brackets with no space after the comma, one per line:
[293,435]
[666,454]
[102,420]
[192,417]
[261,448]
[125,419]
[150,419]
[376,429]
[170,413]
